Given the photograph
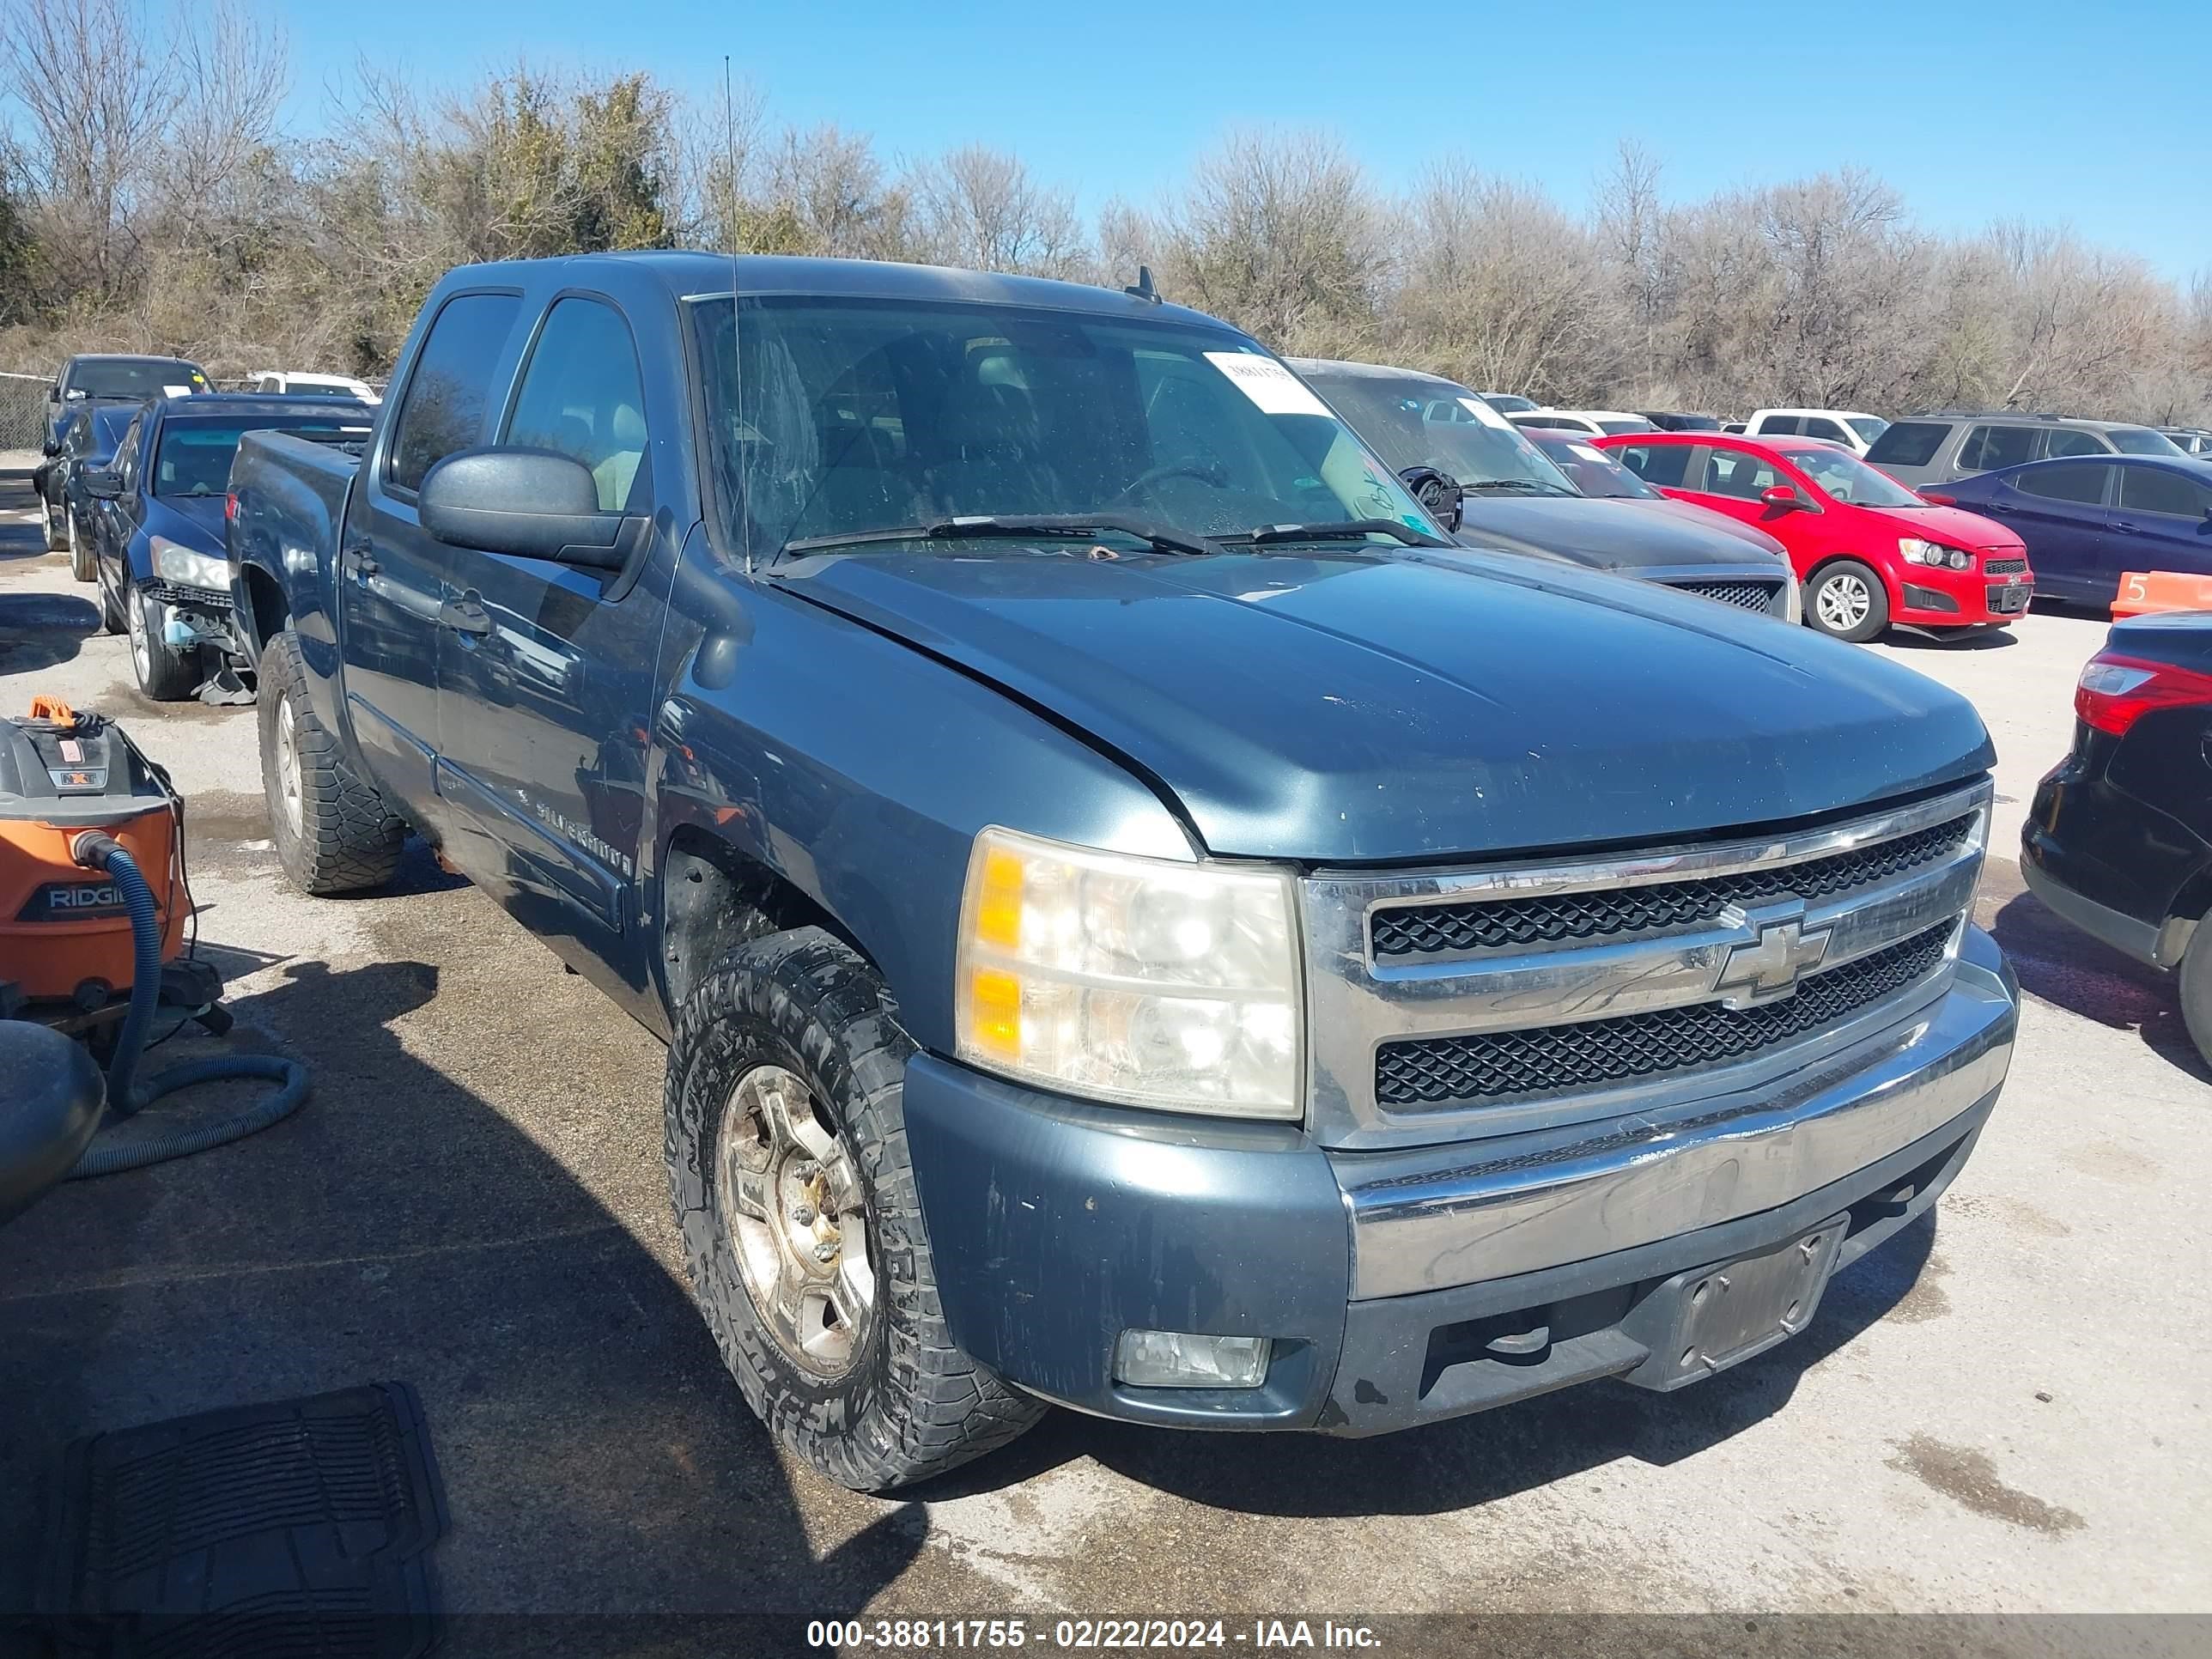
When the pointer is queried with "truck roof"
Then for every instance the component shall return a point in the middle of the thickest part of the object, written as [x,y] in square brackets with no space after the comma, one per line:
[686,274]
[221,404]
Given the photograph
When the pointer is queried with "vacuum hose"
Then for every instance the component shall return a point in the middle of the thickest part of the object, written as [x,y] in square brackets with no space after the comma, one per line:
[119,1146]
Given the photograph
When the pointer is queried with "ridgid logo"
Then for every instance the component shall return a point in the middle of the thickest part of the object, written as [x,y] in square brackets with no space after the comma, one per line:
[66,901]
[577,836]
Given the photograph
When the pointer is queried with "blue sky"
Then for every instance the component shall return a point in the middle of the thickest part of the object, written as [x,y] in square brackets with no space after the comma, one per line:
[2091,114]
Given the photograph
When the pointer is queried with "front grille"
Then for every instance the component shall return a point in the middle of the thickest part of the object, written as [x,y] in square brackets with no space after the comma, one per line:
[1558,918]
[1593,1054]
[2003,567]
[1745,596]
[189,598]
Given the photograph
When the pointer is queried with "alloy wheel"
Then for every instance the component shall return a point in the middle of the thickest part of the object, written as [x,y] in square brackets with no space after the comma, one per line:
[287,765]
[796,1218]
[1843,602]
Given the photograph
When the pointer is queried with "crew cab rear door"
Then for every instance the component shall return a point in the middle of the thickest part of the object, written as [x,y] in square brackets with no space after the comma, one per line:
[546,670]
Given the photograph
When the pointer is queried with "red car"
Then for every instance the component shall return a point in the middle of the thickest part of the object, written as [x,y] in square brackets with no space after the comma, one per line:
[1869,552]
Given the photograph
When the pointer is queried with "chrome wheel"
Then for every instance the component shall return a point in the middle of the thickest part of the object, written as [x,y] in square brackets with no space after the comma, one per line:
[792,1208]
[287,765]
[141,637]
[1843,602]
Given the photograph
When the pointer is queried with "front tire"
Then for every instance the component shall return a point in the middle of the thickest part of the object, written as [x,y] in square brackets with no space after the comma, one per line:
[1847,600]
[165,673]
[333,832]
[802,1233]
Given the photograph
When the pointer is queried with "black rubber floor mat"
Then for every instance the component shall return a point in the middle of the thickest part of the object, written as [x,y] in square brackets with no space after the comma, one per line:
[301,1527]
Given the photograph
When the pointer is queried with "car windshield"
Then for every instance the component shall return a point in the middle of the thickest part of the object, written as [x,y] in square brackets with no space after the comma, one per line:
[1849,479]
[841,418]
[135,377]
[1869,427]
[195,456]
[2142,441]
[1595,473]
[1410,421]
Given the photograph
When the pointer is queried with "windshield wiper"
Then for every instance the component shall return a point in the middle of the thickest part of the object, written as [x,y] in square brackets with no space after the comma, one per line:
[1344,530]
[1055,525]
[1510,484]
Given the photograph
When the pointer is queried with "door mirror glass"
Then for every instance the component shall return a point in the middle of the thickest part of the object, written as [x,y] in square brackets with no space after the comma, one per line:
[530,503]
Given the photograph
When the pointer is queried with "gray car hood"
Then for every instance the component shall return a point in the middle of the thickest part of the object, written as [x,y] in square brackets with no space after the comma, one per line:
[1606,533]
[1395,708]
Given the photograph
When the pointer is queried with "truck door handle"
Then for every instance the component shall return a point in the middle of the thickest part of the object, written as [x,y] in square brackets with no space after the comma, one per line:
[358,559]
[464,615]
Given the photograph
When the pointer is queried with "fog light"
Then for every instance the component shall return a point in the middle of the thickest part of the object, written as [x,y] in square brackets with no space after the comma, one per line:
[1176,1359]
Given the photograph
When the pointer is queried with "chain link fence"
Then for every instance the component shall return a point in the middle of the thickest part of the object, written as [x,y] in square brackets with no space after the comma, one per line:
[23,410]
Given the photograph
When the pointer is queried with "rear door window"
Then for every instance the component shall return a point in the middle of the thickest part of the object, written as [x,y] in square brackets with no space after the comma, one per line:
[1664,464]
[2082,482]
[1989,447]
[1777,426]
[1909,443]
[1817,426]
[450,391]
[2154,490]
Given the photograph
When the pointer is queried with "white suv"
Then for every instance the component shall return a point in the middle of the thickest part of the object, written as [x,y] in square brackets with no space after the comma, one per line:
[1590,423]
[1849,427]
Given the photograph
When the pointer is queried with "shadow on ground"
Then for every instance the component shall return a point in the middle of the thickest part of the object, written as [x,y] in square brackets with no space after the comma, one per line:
[2061,964]
[38,630]
[597,1457]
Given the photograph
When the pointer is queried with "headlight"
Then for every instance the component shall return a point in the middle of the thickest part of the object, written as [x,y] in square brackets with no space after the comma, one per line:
[1919,552]
[175,562]
[1151,983]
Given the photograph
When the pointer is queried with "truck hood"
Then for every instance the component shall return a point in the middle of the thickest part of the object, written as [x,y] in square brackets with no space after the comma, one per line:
[1604,534]
[1381,708]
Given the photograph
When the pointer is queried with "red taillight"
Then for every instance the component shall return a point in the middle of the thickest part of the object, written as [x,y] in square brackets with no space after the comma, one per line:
[2116,691]
[230,507]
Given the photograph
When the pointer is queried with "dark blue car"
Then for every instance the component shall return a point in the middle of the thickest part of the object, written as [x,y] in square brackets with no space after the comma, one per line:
[2087,519]
[158,525]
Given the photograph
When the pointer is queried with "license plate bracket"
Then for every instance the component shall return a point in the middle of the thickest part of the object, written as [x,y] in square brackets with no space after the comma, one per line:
[1710,1318]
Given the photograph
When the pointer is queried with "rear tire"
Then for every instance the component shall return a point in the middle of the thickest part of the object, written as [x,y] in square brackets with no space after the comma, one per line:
[165,673]
[792,1031]
[2196,977]
[1847,600]
[56,534]
[333,832]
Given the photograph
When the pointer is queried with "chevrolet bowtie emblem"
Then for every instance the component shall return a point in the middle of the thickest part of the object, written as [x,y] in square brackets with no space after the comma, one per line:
[1768,968]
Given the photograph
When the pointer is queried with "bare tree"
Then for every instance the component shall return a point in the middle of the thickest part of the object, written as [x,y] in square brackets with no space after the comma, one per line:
[980,208]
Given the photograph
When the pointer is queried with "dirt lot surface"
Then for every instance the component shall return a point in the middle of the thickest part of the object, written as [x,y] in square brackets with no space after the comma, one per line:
[2003,1411]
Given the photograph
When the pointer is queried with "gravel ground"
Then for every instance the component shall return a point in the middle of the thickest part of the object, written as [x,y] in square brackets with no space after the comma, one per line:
[2004,1411]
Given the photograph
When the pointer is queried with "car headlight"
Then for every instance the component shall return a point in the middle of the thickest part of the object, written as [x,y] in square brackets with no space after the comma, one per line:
[1916,552]
[175,562]
[1133,980]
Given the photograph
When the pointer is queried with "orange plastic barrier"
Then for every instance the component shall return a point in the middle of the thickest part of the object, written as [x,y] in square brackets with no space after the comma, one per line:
[2145,590]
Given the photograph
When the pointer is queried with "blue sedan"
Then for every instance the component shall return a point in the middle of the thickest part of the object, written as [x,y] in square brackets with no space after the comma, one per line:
[2086,520]
[159,524]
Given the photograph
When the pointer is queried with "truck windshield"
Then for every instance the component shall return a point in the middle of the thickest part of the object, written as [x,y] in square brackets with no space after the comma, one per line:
[195,456]
[1415,422]
[833,418]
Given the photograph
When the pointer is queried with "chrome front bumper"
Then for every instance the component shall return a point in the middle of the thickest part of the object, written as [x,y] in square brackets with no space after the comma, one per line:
[1436,1217]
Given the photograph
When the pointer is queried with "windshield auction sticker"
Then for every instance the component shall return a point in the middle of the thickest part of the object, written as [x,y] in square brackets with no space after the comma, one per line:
[1483,412]
[1268,383]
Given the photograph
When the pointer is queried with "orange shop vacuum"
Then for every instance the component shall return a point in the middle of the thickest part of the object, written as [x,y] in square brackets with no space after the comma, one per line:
[93,916]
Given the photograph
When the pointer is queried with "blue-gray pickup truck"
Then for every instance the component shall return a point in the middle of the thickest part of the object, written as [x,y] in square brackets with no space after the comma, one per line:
[1138,919]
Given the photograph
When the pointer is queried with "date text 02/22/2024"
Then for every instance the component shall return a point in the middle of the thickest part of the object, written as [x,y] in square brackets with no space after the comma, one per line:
[1087,1634]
